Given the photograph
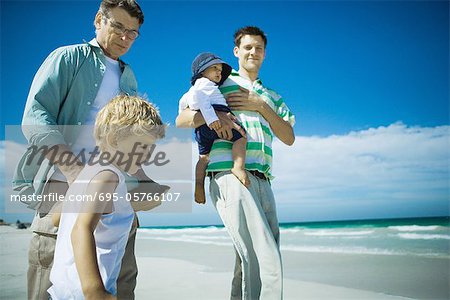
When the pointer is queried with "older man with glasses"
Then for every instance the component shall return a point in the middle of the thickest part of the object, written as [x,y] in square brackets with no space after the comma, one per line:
[70,87]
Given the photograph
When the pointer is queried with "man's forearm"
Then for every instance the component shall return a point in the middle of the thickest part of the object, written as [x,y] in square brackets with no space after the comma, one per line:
[189,119]
[282,129]
[193,119]
[66,161]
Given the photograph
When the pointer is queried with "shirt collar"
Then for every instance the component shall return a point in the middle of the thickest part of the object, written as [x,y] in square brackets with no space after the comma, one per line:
[95,44]
[236,73]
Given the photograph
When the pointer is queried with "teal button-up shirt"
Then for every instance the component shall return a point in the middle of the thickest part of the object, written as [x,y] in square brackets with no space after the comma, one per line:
[62,91]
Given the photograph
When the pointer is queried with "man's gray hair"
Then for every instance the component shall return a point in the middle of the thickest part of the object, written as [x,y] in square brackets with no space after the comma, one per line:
[130,6]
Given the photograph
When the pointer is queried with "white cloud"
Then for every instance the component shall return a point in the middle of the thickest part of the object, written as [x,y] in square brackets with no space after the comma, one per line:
[10,154]
[386,171]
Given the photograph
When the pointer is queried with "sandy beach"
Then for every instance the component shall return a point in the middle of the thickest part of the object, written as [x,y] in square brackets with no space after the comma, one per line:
[183,270]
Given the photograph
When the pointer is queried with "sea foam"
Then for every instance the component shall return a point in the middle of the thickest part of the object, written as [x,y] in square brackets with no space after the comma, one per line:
[414,228]
[337,233]
[416,236]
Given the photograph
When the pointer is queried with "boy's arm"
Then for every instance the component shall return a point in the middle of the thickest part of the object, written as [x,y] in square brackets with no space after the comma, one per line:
[187,116]
[82,236]
[208,113]
[197,98]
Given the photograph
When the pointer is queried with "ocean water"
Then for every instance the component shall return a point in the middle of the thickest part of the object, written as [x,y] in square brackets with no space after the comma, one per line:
[423,237]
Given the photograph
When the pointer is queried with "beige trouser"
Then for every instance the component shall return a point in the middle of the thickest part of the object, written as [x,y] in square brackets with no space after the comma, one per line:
[250,217]
[42,248]
[40,260]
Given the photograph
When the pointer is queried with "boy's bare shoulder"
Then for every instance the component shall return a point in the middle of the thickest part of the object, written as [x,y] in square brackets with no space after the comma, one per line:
[105,176]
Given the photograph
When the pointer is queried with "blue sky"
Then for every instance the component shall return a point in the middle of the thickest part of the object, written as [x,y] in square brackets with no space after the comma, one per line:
[341,67]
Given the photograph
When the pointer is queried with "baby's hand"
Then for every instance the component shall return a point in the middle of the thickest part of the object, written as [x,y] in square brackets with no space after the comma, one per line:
[215,125]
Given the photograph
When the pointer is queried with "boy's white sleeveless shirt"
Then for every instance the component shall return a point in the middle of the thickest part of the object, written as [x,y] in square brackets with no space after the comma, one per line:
[111,236]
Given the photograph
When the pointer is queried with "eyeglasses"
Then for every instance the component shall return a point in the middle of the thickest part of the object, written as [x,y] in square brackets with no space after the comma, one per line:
[120,30]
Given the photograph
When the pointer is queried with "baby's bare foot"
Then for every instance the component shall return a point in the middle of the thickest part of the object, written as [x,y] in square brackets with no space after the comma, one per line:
[199,194]
[242,176]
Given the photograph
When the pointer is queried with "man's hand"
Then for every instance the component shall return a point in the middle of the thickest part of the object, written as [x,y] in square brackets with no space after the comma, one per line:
[147,186]
[72,172]
[250,101]
[189,119]
[245,100]
[56,211]
[64,153]
[215,125]
[194,119]
[228,122]
[148,195]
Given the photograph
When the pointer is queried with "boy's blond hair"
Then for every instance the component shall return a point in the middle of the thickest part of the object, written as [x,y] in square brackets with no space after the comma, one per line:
[124,116]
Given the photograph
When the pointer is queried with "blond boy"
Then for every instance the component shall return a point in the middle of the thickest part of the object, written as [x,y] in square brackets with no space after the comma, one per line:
[93,232]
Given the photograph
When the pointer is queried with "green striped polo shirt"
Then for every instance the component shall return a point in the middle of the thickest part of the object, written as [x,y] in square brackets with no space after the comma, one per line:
[259,133]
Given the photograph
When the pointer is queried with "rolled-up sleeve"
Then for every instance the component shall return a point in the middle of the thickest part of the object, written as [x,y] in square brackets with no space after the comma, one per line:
[285,113]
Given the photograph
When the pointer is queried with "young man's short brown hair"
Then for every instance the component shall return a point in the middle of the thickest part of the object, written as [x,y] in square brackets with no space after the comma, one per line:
[248,30]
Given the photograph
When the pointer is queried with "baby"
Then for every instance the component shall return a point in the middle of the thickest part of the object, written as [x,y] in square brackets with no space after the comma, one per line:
[208,73]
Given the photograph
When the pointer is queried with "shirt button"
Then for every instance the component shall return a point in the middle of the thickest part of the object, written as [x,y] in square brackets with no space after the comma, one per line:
[89,103]
[95,84]
[79,123]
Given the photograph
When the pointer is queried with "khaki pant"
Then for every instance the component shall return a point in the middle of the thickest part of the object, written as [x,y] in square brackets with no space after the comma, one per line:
[40,260]
[42,249]
[250,217]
